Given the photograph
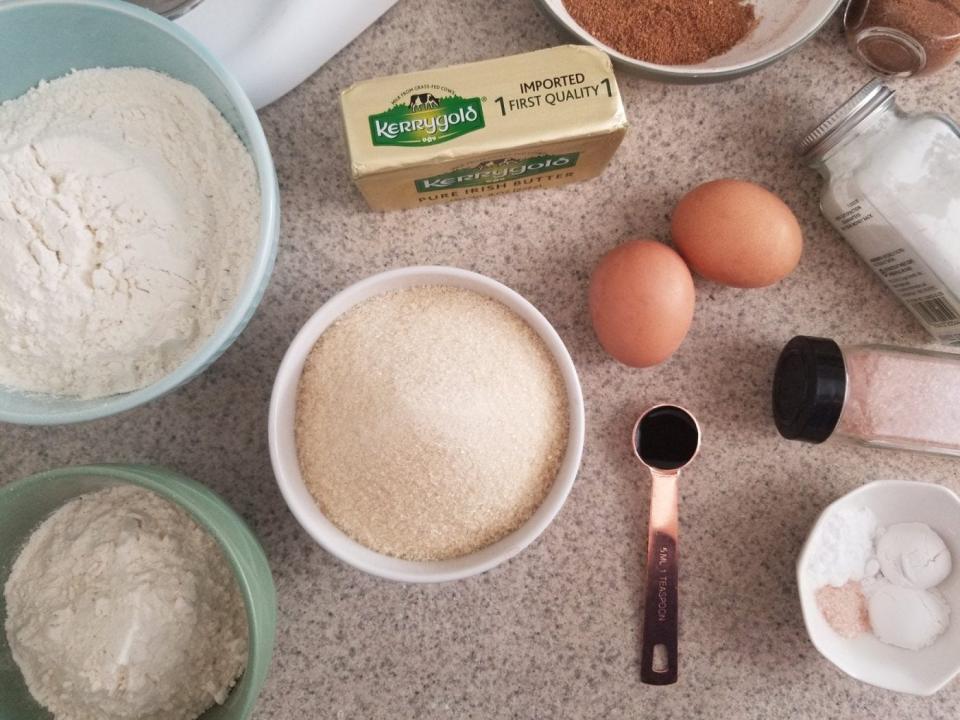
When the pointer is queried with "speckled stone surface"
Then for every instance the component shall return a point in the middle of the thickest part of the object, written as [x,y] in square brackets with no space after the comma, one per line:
[554,633]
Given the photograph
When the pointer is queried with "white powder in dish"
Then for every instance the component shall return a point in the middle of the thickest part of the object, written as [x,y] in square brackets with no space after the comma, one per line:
[913,555]
[843,548]
[129,215]
[893,585]
[907,617]
[121,607]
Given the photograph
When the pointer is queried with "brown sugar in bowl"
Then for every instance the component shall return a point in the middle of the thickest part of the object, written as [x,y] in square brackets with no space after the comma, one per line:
[782,26]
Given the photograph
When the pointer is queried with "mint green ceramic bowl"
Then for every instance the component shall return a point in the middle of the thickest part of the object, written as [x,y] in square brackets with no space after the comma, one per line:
[45,39]
[25,503]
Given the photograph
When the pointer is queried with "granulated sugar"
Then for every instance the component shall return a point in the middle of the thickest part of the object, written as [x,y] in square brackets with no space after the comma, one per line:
[431,422]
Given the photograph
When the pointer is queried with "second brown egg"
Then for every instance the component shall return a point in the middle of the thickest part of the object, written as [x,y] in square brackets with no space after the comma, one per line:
[641,302]
[737,233]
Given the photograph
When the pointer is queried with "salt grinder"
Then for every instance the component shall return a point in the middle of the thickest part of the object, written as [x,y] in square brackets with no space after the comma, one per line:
[665,439]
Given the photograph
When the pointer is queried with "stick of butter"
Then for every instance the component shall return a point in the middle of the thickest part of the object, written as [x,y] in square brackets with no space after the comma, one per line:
[540,119]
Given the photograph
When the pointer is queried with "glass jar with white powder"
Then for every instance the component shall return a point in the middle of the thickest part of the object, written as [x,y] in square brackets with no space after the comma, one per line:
[876,395]
[893,191]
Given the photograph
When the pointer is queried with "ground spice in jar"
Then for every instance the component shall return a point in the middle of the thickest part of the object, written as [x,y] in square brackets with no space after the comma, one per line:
[431,422]
[902,399]
[904,37]
[666,32]
[878,395]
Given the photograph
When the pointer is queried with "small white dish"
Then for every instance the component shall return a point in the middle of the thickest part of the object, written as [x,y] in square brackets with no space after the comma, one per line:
[283,450]
[783,26]
[919,672]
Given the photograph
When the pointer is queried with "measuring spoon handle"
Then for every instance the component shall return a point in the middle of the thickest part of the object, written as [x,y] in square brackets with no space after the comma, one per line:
[658,656]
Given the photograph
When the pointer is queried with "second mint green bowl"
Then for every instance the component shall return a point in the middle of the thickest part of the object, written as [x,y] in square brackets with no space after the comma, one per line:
[46,39]
[26,503]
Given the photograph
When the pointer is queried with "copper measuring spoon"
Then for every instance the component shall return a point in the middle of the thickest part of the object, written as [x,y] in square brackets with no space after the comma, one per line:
[665,439]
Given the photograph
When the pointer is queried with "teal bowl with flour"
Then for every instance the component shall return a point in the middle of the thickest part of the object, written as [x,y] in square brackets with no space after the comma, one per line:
[24,504]
[45,39]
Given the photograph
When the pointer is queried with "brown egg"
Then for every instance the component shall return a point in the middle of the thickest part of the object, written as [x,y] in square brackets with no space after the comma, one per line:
[641,302]
[737,233]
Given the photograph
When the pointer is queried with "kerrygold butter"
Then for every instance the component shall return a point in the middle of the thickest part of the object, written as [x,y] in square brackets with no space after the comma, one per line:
[536,120]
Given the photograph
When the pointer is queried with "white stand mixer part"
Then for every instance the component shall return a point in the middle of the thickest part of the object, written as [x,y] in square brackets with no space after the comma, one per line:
[271,46]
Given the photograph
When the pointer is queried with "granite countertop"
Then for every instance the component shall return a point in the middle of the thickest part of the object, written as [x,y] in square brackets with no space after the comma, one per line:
[554,632]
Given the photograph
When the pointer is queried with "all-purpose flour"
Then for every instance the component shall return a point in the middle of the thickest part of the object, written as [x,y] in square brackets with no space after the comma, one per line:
[120,607]
[128,219]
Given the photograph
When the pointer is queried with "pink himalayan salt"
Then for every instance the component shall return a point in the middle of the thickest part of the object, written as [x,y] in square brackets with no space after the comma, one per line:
[902,399]
[844,608]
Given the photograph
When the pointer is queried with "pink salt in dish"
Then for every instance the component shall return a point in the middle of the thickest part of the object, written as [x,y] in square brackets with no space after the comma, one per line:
[845,609]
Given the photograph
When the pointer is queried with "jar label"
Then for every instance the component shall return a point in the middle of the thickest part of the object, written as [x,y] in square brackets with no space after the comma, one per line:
[893,258]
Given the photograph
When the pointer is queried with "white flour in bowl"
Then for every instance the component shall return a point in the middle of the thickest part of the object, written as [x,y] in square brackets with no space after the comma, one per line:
[121,607]
[129,215]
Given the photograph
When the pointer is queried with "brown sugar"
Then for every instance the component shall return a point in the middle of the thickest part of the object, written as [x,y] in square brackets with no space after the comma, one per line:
[666,32]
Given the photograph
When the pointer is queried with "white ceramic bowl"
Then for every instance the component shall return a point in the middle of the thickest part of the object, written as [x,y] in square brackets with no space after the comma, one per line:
[783,26]
[283,451]
[865,658]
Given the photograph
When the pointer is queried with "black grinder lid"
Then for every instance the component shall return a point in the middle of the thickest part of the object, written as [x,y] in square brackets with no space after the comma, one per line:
[809,387]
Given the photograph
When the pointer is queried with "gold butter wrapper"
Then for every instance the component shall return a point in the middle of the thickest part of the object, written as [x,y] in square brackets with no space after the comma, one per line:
[536,120]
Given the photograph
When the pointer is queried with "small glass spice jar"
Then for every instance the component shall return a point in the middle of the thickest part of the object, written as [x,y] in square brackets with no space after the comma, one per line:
[901,38]
[892,189]
[877,395]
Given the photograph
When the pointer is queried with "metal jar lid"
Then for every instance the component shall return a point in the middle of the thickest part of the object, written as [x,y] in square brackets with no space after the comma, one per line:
[830,131]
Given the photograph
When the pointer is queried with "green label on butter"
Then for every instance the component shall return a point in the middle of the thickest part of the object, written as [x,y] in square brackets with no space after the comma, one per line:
[494,171]
[422,118]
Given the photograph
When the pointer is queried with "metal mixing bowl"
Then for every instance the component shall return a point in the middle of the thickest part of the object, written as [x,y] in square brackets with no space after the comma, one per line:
[168,8]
